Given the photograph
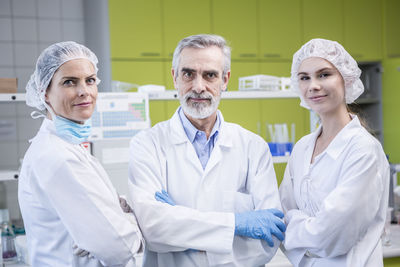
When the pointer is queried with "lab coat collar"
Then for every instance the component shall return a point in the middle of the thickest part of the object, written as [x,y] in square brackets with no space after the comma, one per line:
[178,134]
[192,131]
[48,126]
[341,140]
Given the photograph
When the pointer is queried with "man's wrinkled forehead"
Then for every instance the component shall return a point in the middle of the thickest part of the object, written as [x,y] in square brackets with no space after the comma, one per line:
[201,59]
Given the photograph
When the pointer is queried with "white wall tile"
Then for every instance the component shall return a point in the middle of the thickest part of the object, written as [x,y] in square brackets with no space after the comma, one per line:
[24,8]
[72,9]
[74,31]
[23,75]
[5,7]
[8,129]
[49,8]
[25,54]
[7,72]
[7,110]
[23,110]
[27,127]
[49,30]
[5,29]
[6,54]
[25,29]
[11,188]
[11,160]
[24,145]
[44,44]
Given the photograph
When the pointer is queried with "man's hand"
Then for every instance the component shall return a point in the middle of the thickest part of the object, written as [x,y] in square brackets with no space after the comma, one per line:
[164,197]
[260,224]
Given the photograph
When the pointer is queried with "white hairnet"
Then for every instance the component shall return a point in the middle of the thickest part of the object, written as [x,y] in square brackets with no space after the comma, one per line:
[48,63]
[339,57]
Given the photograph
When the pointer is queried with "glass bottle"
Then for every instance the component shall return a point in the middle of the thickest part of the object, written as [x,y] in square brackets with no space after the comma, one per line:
[9,253]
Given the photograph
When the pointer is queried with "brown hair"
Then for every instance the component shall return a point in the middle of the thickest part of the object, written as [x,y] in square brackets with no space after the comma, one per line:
[355,109]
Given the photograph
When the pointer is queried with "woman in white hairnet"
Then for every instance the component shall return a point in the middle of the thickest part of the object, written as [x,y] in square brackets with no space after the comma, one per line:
[335,190]
[68,203]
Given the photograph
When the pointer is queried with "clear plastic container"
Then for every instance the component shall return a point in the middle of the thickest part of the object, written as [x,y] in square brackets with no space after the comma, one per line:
[9,253]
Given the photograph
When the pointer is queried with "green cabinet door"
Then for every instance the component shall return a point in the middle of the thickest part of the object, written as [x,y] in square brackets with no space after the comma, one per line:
[237,22]
[363,29]
[135,28]
[169,81]
[280,69]
[158,111]
[171,107]
[391,108]
[391,262]
[323,19]
[182,18]
[138,72]
[245,112]
[241,69]
[280,30]
[392,25]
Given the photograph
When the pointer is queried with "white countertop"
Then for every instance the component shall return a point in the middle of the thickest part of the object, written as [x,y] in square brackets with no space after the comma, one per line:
[280,260]
[393,250]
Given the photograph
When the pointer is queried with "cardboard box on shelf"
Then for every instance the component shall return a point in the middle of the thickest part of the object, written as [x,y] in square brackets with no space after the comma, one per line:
[8,85]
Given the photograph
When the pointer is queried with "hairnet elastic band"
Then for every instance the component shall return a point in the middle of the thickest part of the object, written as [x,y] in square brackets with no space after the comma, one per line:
[37,114]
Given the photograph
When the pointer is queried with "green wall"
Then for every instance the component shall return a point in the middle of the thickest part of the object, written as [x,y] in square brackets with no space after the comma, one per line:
[263,35]
[391,108]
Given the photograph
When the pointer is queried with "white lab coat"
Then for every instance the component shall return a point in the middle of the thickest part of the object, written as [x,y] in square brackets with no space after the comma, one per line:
[336,207]
[238,177]
[66,198]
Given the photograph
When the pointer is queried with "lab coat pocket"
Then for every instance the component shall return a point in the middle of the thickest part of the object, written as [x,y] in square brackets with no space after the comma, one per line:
[236,202]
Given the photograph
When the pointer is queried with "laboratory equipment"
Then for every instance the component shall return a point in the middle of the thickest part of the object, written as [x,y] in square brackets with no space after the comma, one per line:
[386,230]
[119,86]
[279,144]
[394,191]
[260,82]
[9,253]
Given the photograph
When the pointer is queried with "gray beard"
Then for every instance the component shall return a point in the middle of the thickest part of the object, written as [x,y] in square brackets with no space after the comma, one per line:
[199,110]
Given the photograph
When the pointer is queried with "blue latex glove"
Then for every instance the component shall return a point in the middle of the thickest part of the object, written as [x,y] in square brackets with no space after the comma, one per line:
[164,197]
[260,224]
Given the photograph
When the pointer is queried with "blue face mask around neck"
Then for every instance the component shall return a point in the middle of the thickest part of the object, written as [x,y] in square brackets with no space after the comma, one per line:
[72,132]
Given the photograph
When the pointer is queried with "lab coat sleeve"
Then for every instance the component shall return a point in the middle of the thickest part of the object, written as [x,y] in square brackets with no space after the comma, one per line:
[286,191]
[346,213]
[288,202]
[171,228]
[263,187]
[89,210]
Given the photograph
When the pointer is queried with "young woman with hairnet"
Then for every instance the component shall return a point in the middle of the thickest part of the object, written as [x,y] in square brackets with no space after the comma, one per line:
[68,203]
[335,190]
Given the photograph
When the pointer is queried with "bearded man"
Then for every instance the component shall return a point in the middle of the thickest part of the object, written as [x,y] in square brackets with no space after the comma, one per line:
[204,190]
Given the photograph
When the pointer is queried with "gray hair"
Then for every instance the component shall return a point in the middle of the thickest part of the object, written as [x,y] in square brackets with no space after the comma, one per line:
[203,41]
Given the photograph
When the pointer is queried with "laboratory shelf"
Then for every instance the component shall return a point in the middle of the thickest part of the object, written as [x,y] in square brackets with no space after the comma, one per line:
[8,175]
[12,97]
[280,159]
[173,95]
